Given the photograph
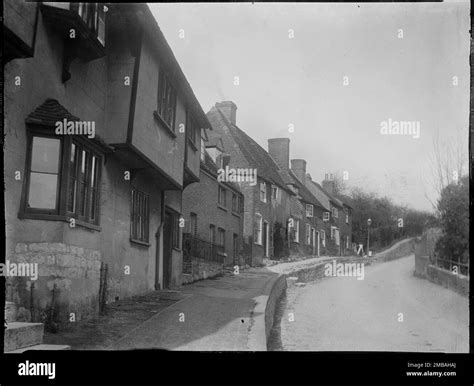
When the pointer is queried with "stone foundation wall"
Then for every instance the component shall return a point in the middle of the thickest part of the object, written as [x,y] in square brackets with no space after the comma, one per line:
[202,269]
[71,272]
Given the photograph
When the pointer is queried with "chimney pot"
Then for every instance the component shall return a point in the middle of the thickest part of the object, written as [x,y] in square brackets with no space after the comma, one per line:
[328,183]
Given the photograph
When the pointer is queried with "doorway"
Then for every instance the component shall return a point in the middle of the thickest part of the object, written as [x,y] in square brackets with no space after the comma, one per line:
[266,238]
[167,249]
[315,240]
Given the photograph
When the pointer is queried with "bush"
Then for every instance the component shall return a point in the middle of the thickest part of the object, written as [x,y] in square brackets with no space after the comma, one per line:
[453,207]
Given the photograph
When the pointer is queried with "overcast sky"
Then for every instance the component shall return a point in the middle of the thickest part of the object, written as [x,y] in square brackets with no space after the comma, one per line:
[297,77]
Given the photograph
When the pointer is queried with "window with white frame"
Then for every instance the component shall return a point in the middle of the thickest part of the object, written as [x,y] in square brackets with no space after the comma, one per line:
[263,192]
[275,192]
[334,212]
[335,235]
[257,230]
[308,234]
[309,210]
[222,197]
[326,216]
[322,236]
[347,242]
[347,217]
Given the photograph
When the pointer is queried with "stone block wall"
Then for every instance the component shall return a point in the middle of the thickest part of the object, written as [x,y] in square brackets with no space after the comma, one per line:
[201,270]
[73,272]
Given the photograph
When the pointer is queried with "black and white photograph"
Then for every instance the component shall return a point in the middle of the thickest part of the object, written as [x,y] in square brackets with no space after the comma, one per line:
[236,177]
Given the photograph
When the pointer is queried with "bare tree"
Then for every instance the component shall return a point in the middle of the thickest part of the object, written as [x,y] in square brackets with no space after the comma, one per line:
[448,163]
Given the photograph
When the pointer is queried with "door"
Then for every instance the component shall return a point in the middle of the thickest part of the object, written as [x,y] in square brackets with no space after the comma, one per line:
[235,249]
[167,248]
[338,240]
[313,241]
[265,238]
[318,240]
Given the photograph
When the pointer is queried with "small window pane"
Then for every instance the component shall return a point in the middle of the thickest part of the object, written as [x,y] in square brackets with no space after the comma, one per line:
[43,191]
[45,155]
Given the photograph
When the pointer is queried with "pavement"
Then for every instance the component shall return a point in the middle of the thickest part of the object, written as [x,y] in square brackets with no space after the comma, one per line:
[213,315]
[389,310]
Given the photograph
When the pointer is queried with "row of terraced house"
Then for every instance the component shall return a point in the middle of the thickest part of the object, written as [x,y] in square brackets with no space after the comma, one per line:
[114,173]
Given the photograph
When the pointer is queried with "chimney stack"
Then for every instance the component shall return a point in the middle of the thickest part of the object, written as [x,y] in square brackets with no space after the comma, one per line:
[298,166]
[328,183]
[279,150]
[229,109]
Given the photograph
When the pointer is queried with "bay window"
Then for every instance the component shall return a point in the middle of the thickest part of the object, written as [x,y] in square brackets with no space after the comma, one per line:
[62,179]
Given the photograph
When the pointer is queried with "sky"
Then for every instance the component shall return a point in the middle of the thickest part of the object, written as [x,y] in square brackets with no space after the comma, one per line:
[327,75]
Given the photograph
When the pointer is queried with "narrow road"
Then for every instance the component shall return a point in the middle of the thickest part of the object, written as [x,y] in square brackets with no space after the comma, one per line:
[346,314]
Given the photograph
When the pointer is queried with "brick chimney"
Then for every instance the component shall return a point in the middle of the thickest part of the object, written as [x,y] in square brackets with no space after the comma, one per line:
[328,183]
[229,109]
[279,150]
[298,166]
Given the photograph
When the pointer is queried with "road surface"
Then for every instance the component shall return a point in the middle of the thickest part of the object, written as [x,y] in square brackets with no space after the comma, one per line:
[389,310]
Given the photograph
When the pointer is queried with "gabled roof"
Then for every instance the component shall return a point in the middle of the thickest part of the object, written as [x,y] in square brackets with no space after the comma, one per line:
[256,156]
[304,192]
[50,112]
[320,194]
[324,196]
[214,140]
[209,166]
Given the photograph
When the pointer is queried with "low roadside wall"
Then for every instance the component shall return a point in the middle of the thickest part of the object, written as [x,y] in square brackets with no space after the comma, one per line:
[424,267]
[456,282]
[402,248]
[307,270]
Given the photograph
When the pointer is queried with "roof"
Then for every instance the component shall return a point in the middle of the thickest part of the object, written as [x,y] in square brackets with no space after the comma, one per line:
[256,156]
[304,192]
[209,166]
[214,140]
[320,194]
[49,113]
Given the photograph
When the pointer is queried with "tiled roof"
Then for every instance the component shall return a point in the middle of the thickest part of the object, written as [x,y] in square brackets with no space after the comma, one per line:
[49,113]
[320,194]
[304,192]
[214,140]
[210,167]
[256,156]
